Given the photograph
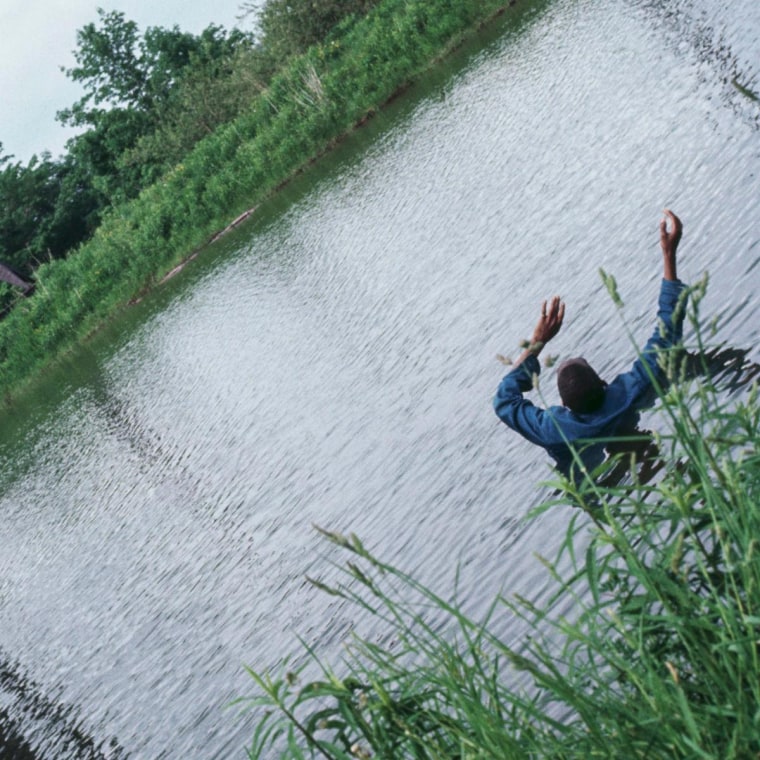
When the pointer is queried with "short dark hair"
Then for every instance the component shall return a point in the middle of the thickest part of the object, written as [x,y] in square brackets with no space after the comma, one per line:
[580,388]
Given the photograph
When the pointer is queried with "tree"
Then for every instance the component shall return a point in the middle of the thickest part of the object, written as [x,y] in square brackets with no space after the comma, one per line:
[289,27]
[46,208]
[135,86]
[130,82]
[27,196]
[206,97]
[121,69]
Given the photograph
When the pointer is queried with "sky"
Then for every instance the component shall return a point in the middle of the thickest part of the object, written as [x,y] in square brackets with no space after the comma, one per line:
[37,37]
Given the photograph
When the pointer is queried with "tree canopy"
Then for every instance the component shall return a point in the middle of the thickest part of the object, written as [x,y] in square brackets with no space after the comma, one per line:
[118,67]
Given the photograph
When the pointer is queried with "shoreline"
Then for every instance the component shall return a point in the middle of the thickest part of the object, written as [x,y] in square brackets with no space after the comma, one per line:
[139,246]
[361,122]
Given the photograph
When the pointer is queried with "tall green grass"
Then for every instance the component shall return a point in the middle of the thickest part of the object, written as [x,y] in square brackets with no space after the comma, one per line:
[307,107]
[659,658]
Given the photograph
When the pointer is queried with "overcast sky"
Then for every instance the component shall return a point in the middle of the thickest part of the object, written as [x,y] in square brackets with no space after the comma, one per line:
[36,39]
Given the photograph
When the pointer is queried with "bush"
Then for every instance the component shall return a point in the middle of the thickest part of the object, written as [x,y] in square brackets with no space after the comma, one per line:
[290,27]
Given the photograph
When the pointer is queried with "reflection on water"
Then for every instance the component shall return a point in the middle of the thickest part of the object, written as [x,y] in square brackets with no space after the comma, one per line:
[726,44]
[634,454]
[157,504]
[27,711]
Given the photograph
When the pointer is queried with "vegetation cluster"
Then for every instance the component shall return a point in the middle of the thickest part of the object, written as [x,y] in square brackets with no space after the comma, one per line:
[182,133]
[657,657]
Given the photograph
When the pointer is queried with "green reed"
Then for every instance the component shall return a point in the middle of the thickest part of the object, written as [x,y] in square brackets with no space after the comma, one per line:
[659,658]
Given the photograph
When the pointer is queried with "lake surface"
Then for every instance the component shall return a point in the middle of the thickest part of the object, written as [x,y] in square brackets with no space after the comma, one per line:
[333,363]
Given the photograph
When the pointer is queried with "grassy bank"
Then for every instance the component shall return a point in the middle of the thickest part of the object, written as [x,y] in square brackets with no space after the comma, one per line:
[659,657]
[304,111]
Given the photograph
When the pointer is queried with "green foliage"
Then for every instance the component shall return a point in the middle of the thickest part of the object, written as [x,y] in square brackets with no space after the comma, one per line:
[304,108]
[26,194]
[659,657]
[45,209]
[117,66]
[140,86]
[108,66]
[206,97]
[166,87]
[8,297]
[290,27]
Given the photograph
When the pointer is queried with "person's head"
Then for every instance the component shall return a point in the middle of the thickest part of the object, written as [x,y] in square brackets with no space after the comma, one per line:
[580,388]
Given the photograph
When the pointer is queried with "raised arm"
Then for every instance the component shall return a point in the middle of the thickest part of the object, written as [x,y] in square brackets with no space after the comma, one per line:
[669,240]
[669,318]
[547,327]
[509,403]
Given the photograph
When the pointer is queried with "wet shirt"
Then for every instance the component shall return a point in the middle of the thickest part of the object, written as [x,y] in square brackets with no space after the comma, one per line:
[556,427]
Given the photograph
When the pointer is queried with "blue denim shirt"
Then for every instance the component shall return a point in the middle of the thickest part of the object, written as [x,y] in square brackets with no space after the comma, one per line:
[557,427]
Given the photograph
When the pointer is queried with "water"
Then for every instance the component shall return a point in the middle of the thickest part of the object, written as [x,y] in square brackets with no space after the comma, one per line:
[333,363]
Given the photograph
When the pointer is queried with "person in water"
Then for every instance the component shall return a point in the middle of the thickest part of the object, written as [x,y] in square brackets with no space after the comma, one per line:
[592,409]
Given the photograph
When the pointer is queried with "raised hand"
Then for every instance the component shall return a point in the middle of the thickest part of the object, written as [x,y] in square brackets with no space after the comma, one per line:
[669,240]
[550,322]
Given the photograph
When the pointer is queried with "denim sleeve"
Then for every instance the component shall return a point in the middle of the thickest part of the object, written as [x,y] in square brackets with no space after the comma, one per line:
[513,408]
[667,333]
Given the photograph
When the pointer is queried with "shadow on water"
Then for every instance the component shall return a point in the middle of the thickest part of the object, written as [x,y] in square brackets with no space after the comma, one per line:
[682,23]
[12,745]
[29,719]
[728,369]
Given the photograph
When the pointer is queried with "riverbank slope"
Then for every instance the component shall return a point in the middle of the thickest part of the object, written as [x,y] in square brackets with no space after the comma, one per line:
[320,96]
